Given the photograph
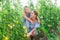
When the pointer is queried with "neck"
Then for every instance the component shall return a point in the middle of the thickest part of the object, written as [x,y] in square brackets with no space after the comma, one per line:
[33,19]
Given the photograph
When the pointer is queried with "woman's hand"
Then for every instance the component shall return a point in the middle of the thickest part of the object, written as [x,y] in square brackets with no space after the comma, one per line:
[33,32]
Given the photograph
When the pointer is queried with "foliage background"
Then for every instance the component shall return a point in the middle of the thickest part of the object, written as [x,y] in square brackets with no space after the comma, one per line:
[11,25]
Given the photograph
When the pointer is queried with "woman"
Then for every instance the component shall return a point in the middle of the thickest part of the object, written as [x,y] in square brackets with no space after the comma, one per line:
[26,15]
[32,27]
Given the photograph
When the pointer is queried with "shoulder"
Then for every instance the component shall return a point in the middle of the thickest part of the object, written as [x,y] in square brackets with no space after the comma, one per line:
[36,24]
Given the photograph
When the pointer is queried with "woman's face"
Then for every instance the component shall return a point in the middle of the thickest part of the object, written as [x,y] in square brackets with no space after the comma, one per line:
[32,15]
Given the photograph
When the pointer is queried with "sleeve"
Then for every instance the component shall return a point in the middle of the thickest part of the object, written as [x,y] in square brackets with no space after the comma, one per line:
[37,25]
[27,24]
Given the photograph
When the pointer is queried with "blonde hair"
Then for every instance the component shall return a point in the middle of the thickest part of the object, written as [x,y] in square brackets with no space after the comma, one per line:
[25,8]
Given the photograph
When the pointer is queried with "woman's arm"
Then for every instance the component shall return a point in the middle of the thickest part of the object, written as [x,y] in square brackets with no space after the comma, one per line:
[33,30]
[27,18]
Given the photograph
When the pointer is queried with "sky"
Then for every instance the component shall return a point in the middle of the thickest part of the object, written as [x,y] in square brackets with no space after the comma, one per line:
[58,2]
[25,2]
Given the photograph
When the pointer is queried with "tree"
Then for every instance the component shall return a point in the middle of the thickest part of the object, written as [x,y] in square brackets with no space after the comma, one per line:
[48,16]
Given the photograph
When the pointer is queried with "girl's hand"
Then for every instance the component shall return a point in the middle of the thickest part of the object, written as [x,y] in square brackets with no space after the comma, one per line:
[38,20]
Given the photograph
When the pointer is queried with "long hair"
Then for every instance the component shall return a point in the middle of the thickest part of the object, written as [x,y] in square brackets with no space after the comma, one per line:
[36,13]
